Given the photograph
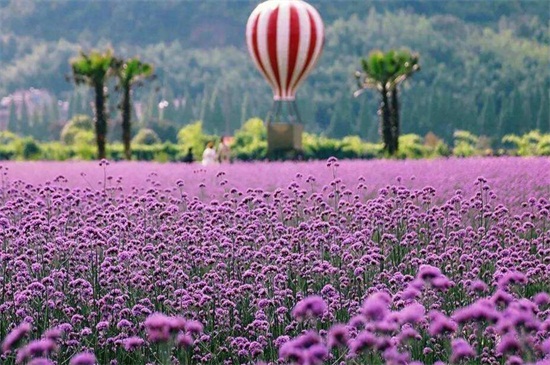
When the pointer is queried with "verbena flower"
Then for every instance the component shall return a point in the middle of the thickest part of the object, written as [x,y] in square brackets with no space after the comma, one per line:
[15,336]
[83,358]
[312,306]
[461,350]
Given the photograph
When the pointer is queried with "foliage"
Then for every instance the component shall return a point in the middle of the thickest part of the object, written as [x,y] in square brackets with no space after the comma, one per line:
[465,144]
[78,124]
[7,137]
[250,145]
[27,148]
[130,73]
[250,141]
[384,72]
[93,69]
[478,61]
[146,136]
[530,144]
[192,136]
[411,146]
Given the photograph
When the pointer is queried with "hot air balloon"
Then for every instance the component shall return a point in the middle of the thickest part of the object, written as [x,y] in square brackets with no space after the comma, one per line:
[284,39]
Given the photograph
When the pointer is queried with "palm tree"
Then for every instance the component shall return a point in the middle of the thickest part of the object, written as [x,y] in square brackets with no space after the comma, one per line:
[384,72]
[93,69]
[129,72]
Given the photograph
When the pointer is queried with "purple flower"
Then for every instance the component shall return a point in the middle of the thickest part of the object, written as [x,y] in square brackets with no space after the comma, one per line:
[461,350]
[338,335]
[53,334]
[194,327]
[184,340]
[412,313]
[516,360]
[157,326]
[482,310]
[508,343]
[178,324]
[364,340]
[291,352]
[502,297]
[541,299]
[132,343]
[15,336]
[410,293]
[40,361]
[428,272]
[375,307]
[123,323]
[478,285]
[83,358]
[316,354]
[512,277]
[545,346]
[312,306]
[37,348]
[439,323]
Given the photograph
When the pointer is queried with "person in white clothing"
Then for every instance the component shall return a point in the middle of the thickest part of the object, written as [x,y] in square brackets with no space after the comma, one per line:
[209,155]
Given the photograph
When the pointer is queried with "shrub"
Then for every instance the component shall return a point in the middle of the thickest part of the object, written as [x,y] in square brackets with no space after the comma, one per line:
[192,136]
[532,143]
[412,146]
[250,142]
[146,136]
[465,144]
[27,149]
[7,137]
[78,124]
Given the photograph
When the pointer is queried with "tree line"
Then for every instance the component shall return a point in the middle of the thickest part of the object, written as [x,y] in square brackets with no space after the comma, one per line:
[489,77]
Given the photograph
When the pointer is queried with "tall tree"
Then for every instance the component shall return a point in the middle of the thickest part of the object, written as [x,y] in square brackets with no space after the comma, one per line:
[93,69]
[13,125]
[25,120]
[130,73]
[384,72]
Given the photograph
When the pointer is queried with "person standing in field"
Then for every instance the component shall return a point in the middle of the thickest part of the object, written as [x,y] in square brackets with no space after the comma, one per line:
[224,151]
[209,154]
[188,158]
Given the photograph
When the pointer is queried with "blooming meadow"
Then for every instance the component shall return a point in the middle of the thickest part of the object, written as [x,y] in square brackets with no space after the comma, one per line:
[340,262]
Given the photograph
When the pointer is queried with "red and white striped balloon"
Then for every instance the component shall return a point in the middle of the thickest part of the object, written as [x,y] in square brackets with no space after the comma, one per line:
[285,39]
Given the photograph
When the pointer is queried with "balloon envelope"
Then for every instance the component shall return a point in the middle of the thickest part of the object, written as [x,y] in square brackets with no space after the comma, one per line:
[285,39]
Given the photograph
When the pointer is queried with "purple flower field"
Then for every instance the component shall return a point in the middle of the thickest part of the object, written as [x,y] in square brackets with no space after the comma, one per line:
[338,262]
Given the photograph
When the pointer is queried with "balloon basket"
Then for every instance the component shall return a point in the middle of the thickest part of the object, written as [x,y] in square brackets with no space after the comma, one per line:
[284,131]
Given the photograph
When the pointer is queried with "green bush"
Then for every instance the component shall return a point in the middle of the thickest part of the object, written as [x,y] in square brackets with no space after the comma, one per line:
[465,144]
[146,136]
[7,137]
[321,147]
[77,125]
[192,136]
[412,146]
[56,151]
[530,144]
[7,152]
[250,141]
[27,149]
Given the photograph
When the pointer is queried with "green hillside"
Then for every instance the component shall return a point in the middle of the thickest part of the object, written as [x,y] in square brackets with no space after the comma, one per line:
[485,64]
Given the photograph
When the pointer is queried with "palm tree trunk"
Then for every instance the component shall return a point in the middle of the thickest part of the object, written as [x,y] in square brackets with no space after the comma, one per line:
[100,120]
[385,120]
[394,121]
[126,127]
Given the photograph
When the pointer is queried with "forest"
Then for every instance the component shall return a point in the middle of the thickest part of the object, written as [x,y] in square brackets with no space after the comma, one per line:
[484,67]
